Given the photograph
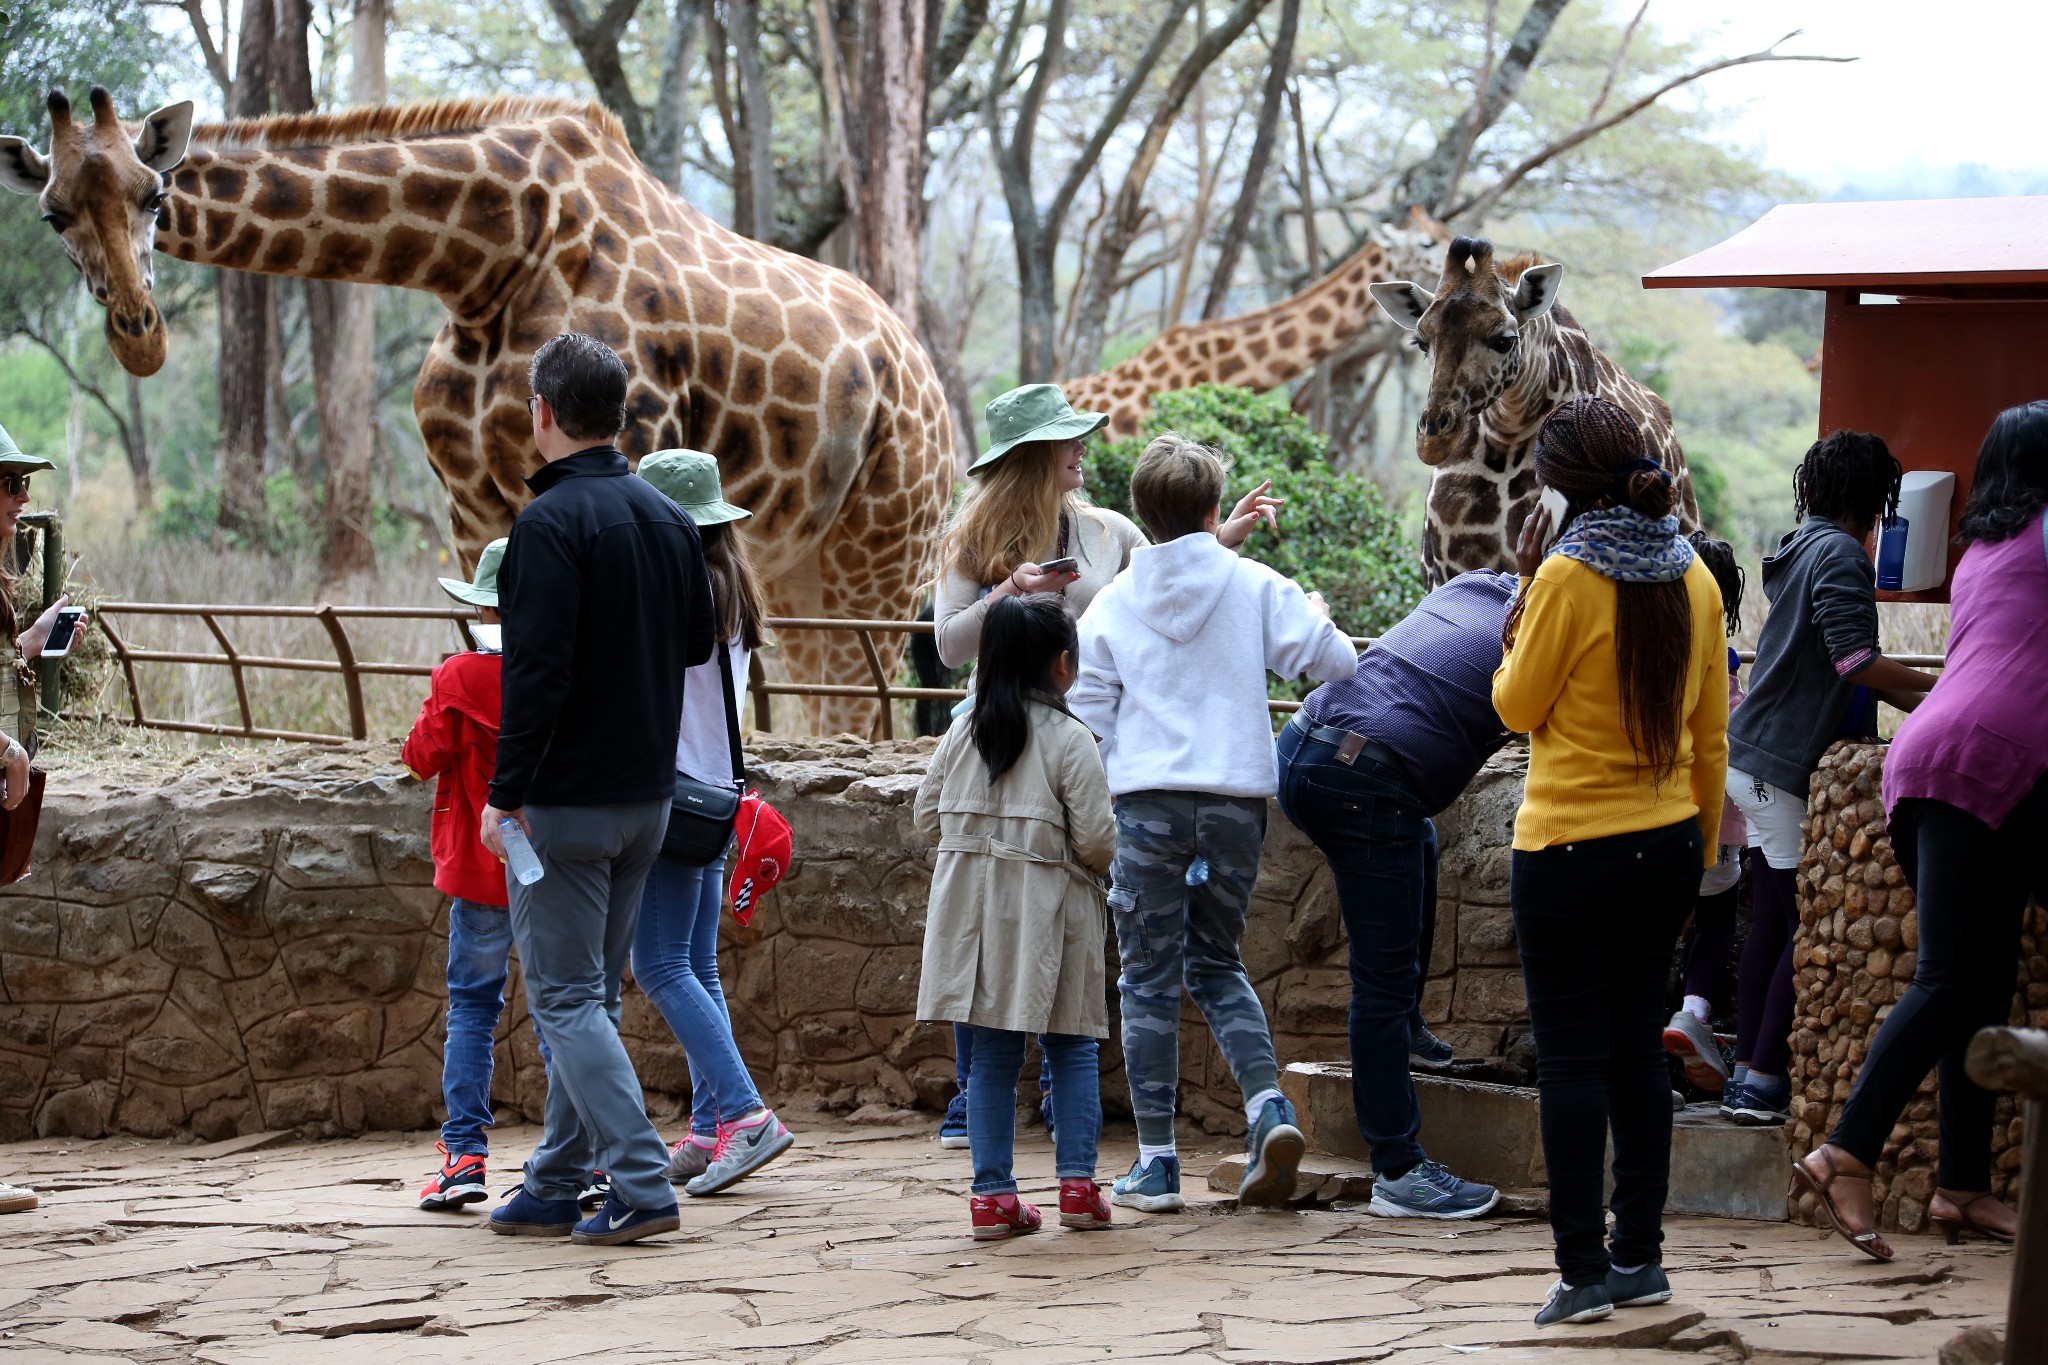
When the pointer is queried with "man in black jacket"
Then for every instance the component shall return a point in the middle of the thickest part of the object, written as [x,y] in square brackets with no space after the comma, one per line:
[606,603]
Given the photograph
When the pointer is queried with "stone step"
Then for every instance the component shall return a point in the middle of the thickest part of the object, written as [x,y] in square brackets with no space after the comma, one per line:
[1325,1179]
[1491,1133]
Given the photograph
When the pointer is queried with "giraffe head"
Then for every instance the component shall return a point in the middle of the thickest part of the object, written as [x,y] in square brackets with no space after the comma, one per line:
[101,188]
[1471,330]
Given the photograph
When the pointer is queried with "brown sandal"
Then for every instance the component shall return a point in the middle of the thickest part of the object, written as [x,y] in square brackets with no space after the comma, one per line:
[1958,1220]
[1870,1243]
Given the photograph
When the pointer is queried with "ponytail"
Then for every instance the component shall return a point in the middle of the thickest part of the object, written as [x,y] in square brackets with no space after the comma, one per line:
[1021,639]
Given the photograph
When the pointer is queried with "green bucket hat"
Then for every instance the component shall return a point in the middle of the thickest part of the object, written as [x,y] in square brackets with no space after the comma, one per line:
[689,478]
[13,460]
[1036,412]
[484,591]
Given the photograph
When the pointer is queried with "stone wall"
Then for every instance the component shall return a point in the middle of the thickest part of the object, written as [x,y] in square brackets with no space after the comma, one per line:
[251,941]
[1853,959]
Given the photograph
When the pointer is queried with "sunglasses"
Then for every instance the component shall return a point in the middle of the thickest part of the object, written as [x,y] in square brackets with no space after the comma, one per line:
[14,484]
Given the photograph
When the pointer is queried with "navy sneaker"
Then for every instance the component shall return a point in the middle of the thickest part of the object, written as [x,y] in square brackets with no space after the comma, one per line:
[1273,1151]
[1760,1105]
[1430,1191]
[524,1215]
[1045,1117]
[620,1222]
[1732,1098]
[1587,1303]
[1638,1289]
[1154,1188]
[1426,1049]
[953,1127]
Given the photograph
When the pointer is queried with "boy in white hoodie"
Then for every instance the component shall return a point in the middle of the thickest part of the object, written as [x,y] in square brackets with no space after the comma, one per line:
[1174,656]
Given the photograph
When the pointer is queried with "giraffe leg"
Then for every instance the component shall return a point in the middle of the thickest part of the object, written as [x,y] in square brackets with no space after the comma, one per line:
[809,656]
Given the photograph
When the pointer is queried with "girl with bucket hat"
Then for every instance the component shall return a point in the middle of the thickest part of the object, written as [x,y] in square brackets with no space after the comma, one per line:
[675,948]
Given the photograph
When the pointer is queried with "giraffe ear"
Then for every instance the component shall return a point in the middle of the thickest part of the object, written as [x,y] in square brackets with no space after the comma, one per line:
[1537,291]
[1405,303]
[22,167]
[161,143]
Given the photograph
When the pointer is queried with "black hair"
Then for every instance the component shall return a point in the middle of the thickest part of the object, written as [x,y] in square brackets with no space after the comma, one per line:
[1021,639]
[1847,476]
[584,381]
[2011,481]
[1719,557]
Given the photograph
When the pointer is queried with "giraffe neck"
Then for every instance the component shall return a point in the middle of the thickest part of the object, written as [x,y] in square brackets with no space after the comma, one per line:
[1298,332]
[443,215]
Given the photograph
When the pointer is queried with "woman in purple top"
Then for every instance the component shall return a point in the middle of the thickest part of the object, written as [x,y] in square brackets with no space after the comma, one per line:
[1965,788]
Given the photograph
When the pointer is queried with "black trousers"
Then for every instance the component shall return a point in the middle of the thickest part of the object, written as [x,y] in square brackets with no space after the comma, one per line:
[1595,920]
[1972,884]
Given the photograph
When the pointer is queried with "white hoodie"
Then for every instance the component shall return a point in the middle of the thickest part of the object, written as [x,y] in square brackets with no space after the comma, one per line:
[1173,666]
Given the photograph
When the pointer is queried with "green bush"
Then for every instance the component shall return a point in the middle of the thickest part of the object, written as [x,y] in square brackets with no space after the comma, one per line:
[1337,536]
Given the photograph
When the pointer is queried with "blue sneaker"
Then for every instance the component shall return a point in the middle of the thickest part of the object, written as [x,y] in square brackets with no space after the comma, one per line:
[1273,1151]
[1587,1303]
[1430,1191]
[953,1127]
[620,1222]
[1426,1049]
[1760,1105]
[1640,1289]
[1045,1117]
[1154,1188]
[523,1215]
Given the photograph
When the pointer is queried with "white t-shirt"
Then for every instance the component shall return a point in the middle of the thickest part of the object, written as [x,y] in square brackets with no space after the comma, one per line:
[703,748]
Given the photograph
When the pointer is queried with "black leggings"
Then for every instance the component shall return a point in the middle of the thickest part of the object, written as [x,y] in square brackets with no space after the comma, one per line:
[1972,884]
[1764,995]
[1713,939]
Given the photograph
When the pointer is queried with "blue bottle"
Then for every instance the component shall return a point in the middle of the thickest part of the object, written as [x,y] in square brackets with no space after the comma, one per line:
[1891,554]
[1198,871]
[520,859]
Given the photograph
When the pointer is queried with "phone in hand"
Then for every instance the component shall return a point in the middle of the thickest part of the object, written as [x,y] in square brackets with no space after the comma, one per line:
[489,639]
[1067,565]
[62,632]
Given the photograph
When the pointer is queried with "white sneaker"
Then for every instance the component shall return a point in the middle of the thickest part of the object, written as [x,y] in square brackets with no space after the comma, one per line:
[17,1198]
[1688,1038]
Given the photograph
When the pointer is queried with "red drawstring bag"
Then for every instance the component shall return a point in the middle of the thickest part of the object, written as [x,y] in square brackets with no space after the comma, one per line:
[761,851]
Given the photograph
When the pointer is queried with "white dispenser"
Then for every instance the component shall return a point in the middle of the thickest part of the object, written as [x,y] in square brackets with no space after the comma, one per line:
[1912,548]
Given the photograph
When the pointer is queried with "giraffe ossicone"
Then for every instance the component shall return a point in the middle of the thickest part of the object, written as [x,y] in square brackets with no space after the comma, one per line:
[528,217]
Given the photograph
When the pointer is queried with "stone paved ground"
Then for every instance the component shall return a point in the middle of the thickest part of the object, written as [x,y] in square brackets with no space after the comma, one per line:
[854,1249]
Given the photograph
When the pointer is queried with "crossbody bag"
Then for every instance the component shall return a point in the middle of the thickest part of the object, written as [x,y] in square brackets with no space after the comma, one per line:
[700,817]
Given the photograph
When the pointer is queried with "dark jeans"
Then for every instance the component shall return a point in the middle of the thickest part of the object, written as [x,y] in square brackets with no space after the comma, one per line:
[1765,995]
[1972,884]
[992,1105]
[1368,822]
[1595,920]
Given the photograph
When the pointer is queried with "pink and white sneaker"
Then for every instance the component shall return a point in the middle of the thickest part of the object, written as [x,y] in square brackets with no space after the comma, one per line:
[743,1147]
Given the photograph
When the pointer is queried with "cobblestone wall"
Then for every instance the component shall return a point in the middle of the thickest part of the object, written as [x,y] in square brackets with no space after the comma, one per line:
[255,943]
[1854,957]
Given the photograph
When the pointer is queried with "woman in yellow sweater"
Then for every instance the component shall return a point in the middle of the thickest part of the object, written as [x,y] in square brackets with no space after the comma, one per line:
[1615,669]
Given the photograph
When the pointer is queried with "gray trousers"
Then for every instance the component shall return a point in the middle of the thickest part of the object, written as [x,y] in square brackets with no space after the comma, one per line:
[574,928]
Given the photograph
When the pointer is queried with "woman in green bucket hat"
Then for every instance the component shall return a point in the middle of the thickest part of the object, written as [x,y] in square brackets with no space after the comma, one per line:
[675,947]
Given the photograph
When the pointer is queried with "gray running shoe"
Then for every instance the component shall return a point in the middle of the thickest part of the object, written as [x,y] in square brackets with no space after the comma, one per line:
[1587,1303]
[686,1161]
[1688,1038]
[743,1148]
[1645,1287]
[1426,1049]
[1430,1191]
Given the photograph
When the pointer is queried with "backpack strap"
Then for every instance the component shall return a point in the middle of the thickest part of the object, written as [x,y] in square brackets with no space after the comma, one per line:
[732,712]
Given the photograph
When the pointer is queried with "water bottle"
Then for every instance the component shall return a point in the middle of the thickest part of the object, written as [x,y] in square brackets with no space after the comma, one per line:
[1198,871]
[520,858]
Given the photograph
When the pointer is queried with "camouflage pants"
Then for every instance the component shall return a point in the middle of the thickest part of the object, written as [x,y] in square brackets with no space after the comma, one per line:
[1169,933]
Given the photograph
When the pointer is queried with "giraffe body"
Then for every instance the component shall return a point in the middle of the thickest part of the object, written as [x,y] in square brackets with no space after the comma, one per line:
[529,217]
[1503,357]
[1264,349]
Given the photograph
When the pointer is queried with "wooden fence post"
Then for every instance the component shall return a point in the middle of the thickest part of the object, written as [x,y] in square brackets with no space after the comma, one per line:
[2016,1059]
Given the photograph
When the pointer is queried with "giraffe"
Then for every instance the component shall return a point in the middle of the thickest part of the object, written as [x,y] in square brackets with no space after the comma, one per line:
[1503,357]
[528,217]
[1263,349]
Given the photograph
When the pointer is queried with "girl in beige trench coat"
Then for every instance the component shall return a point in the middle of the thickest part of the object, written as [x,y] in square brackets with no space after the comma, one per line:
[1016,801]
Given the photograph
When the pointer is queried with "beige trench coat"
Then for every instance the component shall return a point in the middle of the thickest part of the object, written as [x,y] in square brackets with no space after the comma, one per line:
[1013,934]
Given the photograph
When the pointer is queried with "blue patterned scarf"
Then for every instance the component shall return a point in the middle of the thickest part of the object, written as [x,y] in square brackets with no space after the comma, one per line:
[1626,546]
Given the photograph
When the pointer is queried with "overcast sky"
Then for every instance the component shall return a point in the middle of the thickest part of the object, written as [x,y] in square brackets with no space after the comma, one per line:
[1944,85]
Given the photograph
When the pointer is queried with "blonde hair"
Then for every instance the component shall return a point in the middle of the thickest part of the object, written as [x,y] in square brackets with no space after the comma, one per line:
[1011,512]
[1176,485]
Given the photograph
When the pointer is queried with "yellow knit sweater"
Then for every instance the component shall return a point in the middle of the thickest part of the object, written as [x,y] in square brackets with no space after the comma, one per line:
[1559,685]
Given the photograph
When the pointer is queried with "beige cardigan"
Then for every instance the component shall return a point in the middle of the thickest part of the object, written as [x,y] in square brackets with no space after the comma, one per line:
[1014,930]
[1101,539]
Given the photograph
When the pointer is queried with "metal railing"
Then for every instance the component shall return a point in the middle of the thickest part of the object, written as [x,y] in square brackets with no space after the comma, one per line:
[879,687]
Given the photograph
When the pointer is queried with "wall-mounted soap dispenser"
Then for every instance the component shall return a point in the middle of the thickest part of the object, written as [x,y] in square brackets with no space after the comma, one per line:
[1912,548]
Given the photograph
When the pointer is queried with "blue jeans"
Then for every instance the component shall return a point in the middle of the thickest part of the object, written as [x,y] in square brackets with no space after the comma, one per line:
[1369,824]
[675,960]
[479,943]
[963,1059]
[992,1105]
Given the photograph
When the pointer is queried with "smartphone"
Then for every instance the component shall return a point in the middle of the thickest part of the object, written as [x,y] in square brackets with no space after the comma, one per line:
[1067,565]
[489,639]
[61,632]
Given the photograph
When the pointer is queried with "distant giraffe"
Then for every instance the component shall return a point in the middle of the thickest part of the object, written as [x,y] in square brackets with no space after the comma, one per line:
[1264,349]
[528,217]
[1503,357]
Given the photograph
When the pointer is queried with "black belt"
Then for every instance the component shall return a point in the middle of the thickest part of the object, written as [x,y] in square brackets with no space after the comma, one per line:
[1350,746]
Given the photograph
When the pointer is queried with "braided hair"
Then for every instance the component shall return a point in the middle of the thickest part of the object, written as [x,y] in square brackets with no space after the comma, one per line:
[1592,452]
[1847,476]
[1719,557]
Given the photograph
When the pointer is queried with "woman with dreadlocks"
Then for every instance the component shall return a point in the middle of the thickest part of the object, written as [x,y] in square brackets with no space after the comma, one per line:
[1614,666]
[1817,676]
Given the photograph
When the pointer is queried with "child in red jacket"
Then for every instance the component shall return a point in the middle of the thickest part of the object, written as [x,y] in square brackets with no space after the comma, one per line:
[455,742]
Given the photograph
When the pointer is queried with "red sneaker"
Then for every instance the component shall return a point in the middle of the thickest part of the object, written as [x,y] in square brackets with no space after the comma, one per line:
[1001,1215]
[1082,1205]
[459,1181]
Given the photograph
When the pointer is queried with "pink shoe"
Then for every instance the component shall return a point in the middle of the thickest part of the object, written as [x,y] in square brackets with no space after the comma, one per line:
[997,1216]
[1082,1205]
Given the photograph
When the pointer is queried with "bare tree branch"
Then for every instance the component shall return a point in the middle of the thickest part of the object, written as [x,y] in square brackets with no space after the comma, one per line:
[1113,117]
[1614,67]
[1229,251]
[597,43]
[202,32]
[1472,114]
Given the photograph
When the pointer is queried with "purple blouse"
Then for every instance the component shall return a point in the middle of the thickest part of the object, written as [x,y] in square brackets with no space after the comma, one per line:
[1980,740]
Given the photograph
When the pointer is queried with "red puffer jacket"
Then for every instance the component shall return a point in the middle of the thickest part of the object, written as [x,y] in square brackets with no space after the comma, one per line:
[455,741]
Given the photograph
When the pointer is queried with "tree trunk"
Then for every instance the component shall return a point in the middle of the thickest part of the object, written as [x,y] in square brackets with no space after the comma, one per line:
[889,213]
[246,310]
[1255,167]
[671,112]
[137,442]
[757,122]
[946,364]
